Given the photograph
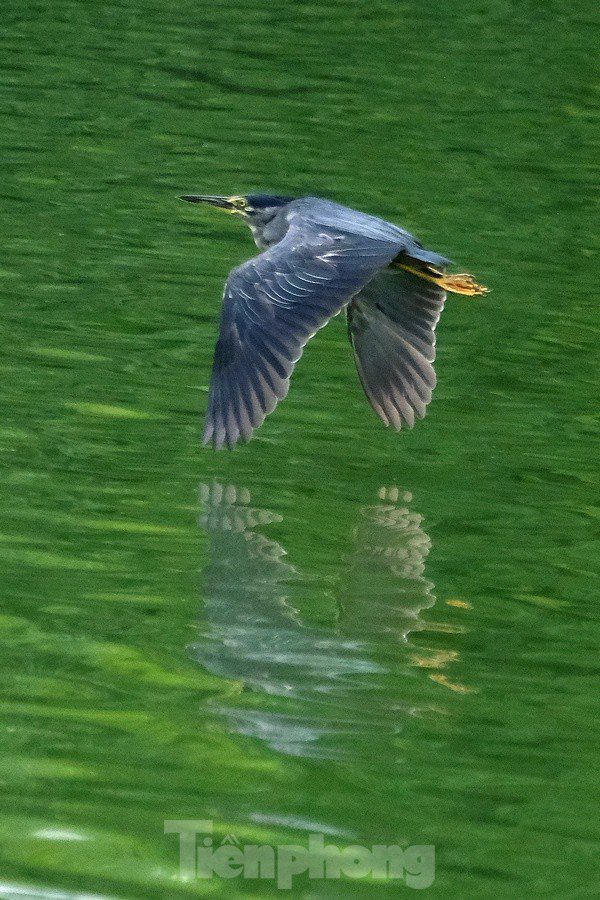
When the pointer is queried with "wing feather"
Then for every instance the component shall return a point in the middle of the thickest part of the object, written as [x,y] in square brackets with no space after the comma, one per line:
[272,306]
[391,324]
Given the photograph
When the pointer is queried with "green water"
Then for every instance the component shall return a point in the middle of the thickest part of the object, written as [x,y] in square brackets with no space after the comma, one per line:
[338,629]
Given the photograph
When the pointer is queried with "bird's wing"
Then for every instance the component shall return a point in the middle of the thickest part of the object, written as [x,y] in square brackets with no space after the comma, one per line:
[391,324]
[272,305]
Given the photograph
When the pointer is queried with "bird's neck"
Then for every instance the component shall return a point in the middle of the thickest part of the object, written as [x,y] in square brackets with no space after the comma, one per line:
[267,233]
[259,237]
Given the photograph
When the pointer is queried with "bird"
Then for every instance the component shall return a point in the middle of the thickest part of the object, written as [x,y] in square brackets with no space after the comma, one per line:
[319,258]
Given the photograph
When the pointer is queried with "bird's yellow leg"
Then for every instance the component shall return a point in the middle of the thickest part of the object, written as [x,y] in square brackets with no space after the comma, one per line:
[456,284]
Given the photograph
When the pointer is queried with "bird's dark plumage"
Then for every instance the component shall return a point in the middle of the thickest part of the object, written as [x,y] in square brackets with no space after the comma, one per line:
[321,257]
[391,324]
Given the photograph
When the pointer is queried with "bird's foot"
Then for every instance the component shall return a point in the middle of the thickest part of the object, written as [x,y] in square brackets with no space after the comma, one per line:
[457,284]
[462,284]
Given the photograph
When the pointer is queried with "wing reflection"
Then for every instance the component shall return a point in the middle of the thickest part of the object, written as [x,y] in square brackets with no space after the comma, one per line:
[314,690]
[386,589]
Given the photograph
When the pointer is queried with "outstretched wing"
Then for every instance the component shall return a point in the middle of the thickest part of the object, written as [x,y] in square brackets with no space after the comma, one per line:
[391,324]
[272,305]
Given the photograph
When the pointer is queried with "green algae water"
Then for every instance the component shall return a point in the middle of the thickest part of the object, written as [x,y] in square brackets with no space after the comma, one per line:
[381,638]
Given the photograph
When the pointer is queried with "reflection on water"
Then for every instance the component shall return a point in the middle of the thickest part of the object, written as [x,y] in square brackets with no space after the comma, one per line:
[473,124]
[315,690]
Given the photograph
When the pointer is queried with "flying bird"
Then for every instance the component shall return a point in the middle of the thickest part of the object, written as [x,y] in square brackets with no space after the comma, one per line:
[319,258]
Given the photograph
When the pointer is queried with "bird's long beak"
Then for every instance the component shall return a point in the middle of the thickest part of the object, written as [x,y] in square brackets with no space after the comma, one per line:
[221,202]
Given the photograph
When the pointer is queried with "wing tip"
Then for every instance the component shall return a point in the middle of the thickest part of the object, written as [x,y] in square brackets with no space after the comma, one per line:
[223,440]
[220,442]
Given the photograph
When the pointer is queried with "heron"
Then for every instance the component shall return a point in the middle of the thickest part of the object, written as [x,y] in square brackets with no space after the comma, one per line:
[319,258]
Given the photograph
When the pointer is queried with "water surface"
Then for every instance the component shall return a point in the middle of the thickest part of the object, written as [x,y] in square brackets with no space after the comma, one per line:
[380,637]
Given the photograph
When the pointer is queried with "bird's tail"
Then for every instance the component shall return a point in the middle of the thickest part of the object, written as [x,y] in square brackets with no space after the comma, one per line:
[424,258]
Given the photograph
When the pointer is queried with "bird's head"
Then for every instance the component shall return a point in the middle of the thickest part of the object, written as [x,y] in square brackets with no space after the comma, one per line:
[259,211]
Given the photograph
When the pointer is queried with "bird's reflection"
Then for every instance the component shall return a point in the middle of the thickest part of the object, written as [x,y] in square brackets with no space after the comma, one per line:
[314,690]
[385,574]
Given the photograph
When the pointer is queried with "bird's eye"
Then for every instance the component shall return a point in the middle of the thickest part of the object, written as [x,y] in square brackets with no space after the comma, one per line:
[240,202]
